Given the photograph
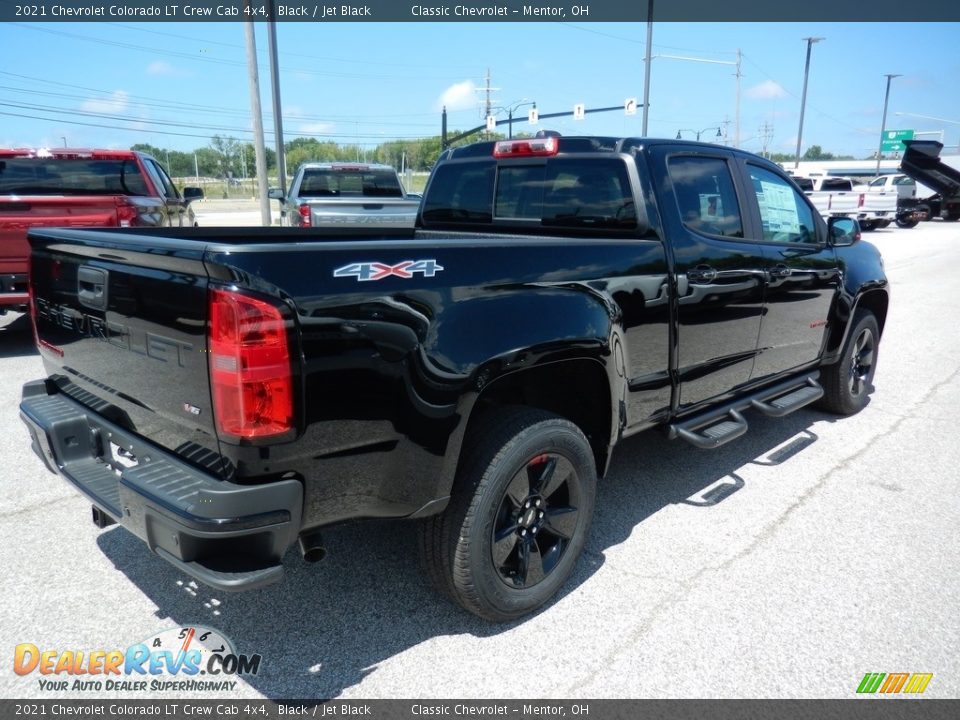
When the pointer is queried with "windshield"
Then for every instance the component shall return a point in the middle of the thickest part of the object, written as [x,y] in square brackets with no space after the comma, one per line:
[67,176]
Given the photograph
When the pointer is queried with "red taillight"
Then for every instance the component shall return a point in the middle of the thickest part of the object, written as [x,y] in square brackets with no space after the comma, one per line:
[249,366]
[126,213]
[860,204]
[532,147]
[304,212]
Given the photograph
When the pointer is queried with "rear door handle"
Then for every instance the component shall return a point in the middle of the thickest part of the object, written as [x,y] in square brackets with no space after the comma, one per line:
[701,274]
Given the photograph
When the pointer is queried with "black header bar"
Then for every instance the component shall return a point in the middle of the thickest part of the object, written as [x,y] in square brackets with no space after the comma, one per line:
[480,11]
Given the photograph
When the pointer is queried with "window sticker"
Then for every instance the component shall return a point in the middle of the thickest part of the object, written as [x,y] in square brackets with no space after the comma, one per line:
[778,208]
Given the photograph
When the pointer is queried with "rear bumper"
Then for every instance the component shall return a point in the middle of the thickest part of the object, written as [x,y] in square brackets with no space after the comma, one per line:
[228,536]
[13,289]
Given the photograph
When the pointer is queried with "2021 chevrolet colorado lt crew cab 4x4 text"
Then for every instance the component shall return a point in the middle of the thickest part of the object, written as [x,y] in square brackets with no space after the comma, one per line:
[225,393]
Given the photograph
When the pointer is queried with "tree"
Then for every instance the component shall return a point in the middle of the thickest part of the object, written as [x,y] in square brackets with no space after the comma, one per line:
[228,152]
[815,152]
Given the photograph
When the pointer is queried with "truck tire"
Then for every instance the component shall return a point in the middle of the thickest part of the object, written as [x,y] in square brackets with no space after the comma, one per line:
[847,383]
[907,224]
[519,515]
[868,225]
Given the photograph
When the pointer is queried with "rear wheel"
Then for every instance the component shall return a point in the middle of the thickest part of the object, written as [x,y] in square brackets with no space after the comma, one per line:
[848,382]
[907,224]
[519,516]
[868,225]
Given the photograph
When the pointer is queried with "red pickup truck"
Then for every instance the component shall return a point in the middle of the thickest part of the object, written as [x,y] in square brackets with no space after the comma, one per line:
[69,187]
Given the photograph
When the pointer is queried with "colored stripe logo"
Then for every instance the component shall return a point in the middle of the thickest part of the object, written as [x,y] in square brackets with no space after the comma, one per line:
[893,683]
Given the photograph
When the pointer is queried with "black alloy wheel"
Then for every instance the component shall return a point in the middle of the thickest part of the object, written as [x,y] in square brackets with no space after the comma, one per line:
[536,519]
[847,383]
[518,516]
[861,362]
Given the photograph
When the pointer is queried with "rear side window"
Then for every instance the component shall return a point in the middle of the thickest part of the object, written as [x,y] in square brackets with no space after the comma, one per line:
[66,176]
[349,182]
[705,195]
[461,192]
[905,180]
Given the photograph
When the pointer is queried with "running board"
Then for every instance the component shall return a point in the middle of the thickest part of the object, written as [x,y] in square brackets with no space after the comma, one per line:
[720,425]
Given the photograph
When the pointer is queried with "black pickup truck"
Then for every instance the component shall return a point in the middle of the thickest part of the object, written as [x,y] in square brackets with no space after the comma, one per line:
[225,393]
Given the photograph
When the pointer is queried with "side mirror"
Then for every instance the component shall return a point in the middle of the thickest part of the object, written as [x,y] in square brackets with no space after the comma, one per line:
[192,193]
[275,194]
[843,231]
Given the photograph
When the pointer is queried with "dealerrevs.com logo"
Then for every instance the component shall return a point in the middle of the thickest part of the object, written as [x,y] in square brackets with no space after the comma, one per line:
[185,659]
[894,683]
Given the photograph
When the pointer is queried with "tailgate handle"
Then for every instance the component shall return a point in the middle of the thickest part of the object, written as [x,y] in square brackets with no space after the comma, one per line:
[92,288]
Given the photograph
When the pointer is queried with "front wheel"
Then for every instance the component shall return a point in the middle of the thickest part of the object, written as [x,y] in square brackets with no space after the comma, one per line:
[847,383]
[519,516]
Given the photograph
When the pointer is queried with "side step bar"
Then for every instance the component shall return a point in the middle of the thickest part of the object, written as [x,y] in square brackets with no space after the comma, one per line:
[720,425]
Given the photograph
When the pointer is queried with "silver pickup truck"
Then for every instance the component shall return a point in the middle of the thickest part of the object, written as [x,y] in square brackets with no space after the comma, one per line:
[343,194]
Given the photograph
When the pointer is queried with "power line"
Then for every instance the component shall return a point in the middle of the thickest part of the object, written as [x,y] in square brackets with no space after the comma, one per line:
[378,137]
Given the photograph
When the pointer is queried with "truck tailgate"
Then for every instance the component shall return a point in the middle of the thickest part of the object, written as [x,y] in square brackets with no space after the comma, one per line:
[882,201]
[388,212]
[20,213]
[121,327]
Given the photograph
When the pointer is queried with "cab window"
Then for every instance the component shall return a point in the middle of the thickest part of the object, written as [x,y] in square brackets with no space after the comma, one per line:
[705,195]
[785,216]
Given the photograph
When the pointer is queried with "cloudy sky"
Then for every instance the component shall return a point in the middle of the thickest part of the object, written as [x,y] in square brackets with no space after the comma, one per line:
[176,85]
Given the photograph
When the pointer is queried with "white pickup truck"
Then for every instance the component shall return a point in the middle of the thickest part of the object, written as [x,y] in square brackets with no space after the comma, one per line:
[346,194]
[911,197]
[837,196]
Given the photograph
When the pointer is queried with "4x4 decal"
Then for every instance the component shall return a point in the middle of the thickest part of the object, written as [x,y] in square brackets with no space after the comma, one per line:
[366,271]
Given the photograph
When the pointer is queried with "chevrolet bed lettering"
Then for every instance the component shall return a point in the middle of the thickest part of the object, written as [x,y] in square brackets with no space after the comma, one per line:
[226,393]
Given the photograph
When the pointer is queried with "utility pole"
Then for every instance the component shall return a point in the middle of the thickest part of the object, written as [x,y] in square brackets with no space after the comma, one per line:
[488,107]
[766,135]
[883,123]
[646,68]
[803,99]
[275,89]
[258,144]
[736,131]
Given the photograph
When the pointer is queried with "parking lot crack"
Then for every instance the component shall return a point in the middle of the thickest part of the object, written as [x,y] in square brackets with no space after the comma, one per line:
[675,597]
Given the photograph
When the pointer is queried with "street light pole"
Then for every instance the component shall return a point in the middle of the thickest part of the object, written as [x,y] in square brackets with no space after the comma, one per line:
[698,132]
[883,122]
[803,98]
[510,109]
[646,68]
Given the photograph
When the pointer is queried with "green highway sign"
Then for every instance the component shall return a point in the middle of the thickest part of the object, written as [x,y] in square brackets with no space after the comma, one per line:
[893,140]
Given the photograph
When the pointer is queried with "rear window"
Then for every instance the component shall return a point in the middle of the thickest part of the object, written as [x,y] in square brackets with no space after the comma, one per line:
[836,185]
[561,192]
[64,176]
[905,180]
[805,184]
[353,182]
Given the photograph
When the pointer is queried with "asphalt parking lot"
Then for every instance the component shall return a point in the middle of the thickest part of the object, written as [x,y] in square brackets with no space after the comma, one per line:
[788,563]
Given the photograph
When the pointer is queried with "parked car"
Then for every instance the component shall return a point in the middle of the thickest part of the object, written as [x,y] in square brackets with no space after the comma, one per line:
[233,392]
[79,188]
[840,197]
[346,194]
